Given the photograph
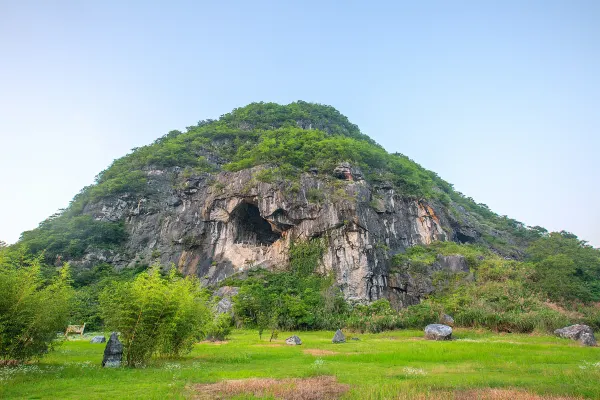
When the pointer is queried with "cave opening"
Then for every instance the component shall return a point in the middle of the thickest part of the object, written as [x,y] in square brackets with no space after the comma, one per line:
[251,228]
[464,239]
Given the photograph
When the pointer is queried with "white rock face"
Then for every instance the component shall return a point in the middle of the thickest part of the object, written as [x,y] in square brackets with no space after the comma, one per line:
[217,225]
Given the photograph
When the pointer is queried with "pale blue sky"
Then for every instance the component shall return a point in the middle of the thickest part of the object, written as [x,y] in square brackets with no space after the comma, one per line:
[500,98]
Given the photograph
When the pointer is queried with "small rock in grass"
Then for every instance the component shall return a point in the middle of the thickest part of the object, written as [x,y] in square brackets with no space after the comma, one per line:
[339,337]
[98,339]
[293,340]
[583,333]
[354,338]
[438,332]
[445,319]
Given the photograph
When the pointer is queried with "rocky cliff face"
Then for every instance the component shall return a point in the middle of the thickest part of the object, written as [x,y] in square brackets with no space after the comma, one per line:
[217,225]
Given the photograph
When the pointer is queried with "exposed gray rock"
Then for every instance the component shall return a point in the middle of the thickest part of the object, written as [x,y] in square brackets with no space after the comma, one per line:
[98,339]
[217,225]
[354,338]
[438,332]
[227,291]
[587,339]
[113,352]
[583,333]
[454,263]
[338,337]
[293,340]
[445,319]
[225,305]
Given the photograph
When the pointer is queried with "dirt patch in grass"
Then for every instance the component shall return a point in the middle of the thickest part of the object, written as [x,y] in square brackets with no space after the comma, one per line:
[317,388]
[497,394]
[215,343]
[319,352]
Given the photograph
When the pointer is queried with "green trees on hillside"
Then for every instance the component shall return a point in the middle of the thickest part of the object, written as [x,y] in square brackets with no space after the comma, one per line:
[566,267]
[70,236]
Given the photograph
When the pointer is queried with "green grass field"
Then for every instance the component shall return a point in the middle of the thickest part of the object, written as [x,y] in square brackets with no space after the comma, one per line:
[389,365]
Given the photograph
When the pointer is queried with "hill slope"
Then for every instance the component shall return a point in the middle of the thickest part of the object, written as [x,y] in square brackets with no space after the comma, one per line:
[261,182]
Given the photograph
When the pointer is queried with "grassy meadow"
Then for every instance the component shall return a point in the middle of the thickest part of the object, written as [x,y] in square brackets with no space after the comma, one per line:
[389,365]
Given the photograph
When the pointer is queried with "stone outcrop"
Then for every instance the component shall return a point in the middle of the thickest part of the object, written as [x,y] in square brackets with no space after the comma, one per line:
[583,333]
[438,332]
[217,225]
[113,352]
[225,304]
[338,337]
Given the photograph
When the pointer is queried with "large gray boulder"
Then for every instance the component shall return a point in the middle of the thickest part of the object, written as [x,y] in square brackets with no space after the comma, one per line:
[98,339]
[113,352]
[293,341]
[339,337]
[438,332]
[445,319]
[583,333]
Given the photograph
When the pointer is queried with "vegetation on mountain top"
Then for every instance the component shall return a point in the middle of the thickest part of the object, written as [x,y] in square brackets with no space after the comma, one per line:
[292,139]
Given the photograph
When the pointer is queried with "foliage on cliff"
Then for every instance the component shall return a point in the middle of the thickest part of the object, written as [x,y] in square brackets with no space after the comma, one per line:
[292,139]
[556,285]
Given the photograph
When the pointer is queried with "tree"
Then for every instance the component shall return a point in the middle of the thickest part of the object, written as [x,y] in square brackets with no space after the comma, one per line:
[32,309]
[565,267]
[155,314]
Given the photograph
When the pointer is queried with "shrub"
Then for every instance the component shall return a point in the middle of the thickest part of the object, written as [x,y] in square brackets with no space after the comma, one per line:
[219,328]
[32,309]
[155,314]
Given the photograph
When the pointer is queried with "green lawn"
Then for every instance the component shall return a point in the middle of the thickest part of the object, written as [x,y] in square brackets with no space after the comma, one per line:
[395,364]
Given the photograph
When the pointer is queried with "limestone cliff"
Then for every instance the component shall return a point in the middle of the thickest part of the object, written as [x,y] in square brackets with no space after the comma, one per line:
[216,225]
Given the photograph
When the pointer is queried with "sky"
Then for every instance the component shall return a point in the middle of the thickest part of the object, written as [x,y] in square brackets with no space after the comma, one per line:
[500,98]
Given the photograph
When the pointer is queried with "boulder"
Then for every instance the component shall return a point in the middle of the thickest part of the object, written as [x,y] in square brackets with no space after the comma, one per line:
[293,340]
[338,337]
[445,319]
[438,332]
[98,339]
[583,333]
[113,352]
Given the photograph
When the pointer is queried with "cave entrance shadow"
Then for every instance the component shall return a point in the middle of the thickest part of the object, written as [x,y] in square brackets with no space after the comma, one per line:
[250,227]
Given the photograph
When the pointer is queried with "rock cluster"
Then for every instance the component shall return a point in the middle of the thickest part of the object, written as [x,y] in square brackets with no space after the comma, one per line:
[113,352]
[583,333]
[438,332]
